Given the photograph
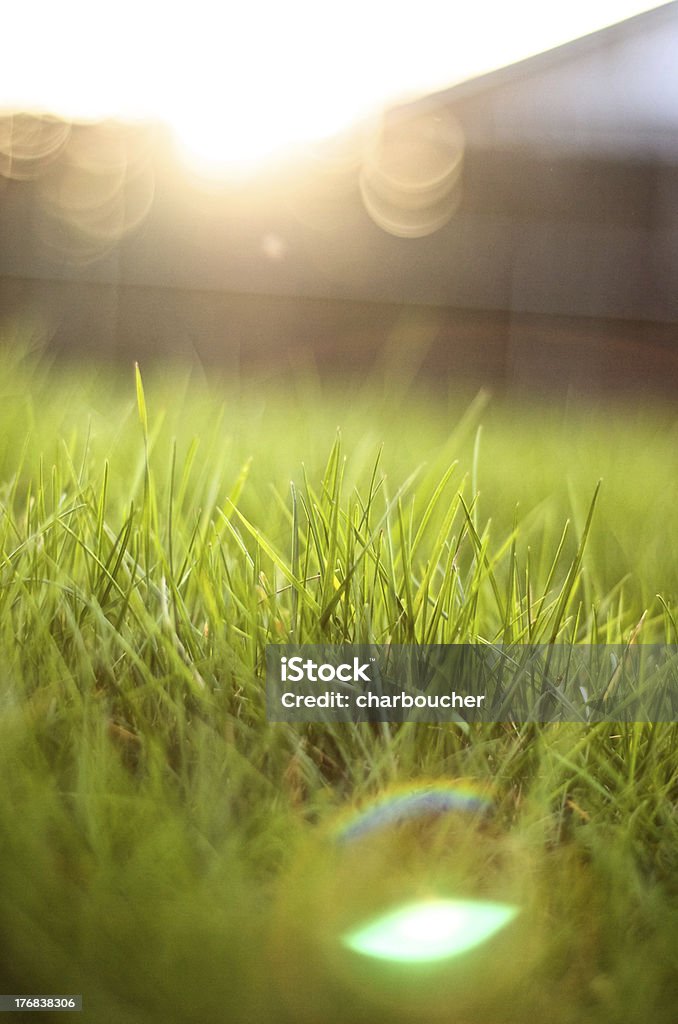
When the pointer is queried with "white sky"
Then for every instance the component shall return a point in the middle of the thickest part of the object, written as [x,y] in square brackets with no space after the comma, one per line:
[238,81]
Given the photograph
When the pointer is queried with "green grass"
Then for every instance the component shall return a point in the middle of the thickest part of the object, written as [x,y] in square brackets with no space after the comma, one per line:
[165,851]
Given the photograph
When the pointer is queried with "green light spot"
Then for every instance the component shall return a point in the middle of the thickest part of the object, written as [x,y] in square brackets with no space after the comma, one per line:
[430,930]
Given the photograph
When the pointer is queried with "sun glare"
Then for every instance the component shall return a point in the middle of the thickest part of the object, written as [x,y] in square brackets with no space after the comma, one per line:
[431,930]
[238,83]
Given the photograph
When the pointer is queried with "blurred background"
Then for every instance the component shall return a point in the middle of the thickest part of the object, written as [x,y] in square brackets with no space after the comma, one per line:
[516,228]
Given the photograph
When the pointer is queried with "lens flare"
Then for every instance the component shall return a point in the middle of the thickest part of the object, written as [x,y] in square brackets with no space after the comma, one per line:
[429,931]
[421,800]
[29,143]
[410,181]
[98,192]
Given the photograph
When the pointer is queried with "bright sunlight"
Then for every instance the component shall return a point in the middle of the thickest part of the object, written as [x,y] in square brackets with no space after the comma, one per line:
[240,83]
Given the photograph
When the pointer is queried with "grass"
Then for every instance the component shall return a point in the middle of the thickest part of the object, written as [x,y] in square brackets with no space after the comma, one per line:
[165,851]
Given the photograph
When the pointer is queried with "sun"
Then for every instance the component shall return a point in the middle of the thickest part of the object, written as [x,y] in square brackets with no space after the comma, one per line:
[238,84]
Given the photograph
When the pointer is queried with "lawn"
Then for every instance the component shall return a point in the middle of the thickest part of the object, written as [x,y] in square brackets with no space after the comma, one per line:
[173,857]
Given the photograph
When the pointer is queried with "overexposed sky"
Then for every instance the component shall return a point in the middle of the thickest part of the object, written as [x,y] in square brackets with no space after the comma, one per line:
[239,81]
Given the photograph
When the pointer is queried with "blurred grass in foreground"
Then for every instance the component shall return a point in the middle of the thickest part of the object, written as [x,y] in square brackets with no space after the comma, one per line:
[166,852]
